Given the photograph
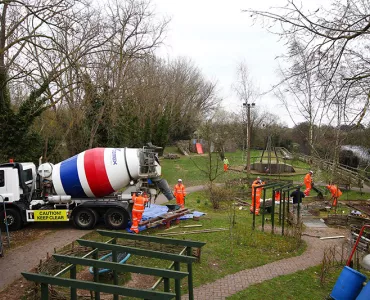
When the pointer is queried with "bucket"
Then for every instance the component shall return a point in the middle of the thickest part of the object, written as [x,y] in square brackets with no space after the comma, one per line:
[365,293]
[348,285]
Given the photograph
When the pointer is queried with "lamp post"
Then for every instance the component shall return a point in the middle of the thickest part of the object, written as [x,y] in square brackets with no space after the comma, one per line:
[248,106]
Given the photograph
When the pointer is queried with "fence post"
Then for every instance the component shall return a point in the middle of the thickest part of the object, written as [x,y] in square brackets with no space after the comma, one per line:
[263,211]
[177,282]
[115,276]
[190,276]
[72,275]
[44,291]
[96,274]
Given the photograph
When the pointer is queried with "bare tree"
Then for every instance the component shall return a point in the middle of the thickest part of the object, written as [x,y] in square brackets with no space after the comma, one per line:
[335,41]
[247,93]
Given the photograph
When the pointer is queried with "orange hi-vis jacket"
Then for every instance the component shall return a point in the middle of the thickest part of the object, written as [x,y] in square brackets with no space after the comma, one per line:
[256,196]
[139,203]
[308,181]
[335,192]
[179,190]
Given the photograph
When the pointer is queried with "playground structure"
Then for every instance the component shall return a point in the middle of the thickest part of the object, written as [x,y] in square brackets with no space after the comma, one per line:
[284,188]
[273,160]
[165,275]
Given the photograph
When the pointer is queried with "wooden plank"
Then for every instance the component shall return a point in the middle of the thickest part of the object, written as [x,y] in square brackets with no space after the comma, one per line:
[97,287]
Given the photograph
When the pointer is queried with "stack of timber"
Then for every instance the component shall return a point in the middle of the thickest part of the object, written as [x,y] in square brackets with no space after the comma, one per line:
[347,220]
[165,219]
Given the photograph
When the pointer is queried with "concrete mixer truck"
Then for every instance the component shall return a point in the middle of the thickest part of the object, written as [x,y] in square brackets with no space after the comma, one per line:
[95,184]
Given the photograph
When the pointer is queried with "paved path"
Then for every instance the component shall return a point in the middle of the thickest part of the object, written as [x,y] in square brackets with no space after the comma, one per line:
[26,257]
[231,284]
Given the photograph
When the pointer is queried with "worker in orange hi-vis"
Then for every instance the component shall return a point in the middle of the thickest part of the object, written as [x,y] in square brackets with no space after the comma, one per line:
[226,164]
[308,183]
[257,180]
[137,210]
[256,197]
[179,192]
[335,194]
[277,195]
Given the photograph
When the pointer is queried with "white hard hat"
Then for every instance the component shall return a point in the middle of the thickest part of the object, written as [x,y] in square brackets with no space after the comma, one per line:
[311,172]
[179,179]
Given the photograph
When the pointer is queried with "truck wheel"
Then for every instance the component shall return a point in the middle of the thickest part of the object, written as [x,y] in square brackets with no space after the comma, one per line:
[116,218]
[85,218]
[13,218]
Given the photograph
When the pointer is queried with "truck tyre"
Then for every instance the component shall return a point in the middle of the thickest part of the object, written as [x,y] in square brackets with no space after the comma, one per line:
[116,218]
[13,217]
[85,218]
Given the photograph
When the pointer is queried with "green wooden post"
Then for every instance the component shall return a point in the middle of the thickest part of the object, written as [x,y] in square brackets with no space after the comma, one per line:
[72,275]
[177,282]
[282,198]
[263,211]
[190,276]
[280,206]
[299,207]
[96,275]
[166,284]
[288,196]
[44,291]
[115,275]
[273,212]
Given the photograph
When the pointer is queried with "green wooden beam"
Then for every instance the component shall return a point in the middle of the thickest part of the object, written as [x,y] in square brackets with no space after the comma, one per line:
[152,239]
[66,269]
[138,251]
[97,287]
[120,267]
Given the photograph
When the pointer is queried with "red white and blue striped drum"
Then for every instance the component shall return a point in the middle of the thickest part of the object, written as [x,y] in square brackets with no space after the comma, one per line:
[96,172]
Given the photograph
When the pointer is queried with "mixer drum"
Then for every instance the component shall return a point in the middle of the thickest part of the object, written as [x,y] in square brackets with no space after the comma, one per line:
[96,172]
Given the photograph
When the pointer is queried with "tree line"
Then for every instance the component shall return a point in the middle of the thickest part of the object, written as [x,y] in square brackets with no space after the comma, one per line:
[77,74]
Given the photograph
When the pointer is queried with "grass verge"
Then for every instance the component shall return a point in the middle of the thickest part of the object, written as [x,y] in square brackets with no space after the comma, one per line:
[303,285]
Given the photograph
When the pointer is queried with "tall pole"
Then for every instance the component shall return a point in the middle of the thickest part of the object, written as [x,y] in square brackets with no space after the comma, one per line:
[248,139]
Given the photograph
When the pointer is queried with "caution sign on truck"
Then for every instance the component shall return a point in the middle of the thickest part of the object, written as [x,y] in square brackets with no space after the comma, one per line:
[50,215]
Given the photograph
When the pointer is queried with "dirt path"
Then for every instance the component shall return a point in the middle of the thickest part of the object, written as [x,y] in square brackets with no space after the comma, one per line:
[26,257]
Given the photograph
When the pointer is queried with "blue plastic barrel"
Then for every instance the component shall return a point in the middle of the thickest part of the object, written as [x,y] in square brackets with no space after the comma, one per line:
[348,285]
[365,293]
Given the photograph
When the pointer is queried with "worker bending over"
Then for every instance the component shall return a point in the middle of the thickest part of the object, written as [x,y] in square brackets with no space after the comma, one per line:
[335,194]
[256,197]
[138,209]
[179,192]
[308,183]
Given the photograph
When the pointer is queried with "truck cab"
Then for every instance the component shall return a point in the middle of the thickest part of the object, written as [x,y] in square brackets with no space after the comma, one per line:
[17,180]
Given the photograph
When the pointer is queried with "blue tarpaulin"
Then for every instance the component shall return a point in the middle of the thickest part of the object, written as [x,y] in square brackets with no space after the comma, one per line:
[155,210]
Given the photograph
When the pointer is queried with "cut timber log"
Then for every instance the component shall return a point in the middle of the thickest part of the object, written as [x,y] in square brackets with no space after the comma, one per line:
[190,226]
[165,218]
[192,232]
[332,237]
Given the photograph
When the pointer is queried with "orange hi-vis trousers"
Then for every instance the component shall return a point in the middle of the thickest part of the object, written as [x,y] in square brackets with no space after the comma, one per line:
[136,218]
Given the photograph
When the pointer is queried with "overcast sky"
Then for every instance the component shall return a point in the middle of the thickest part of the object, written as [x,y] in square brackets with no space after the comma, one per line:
[216,36]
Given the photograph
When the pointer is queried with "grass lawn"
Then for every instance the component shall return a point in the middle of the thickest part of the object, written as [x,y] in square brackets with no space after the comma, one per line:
[225,252]
[303,285]
[188,167]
